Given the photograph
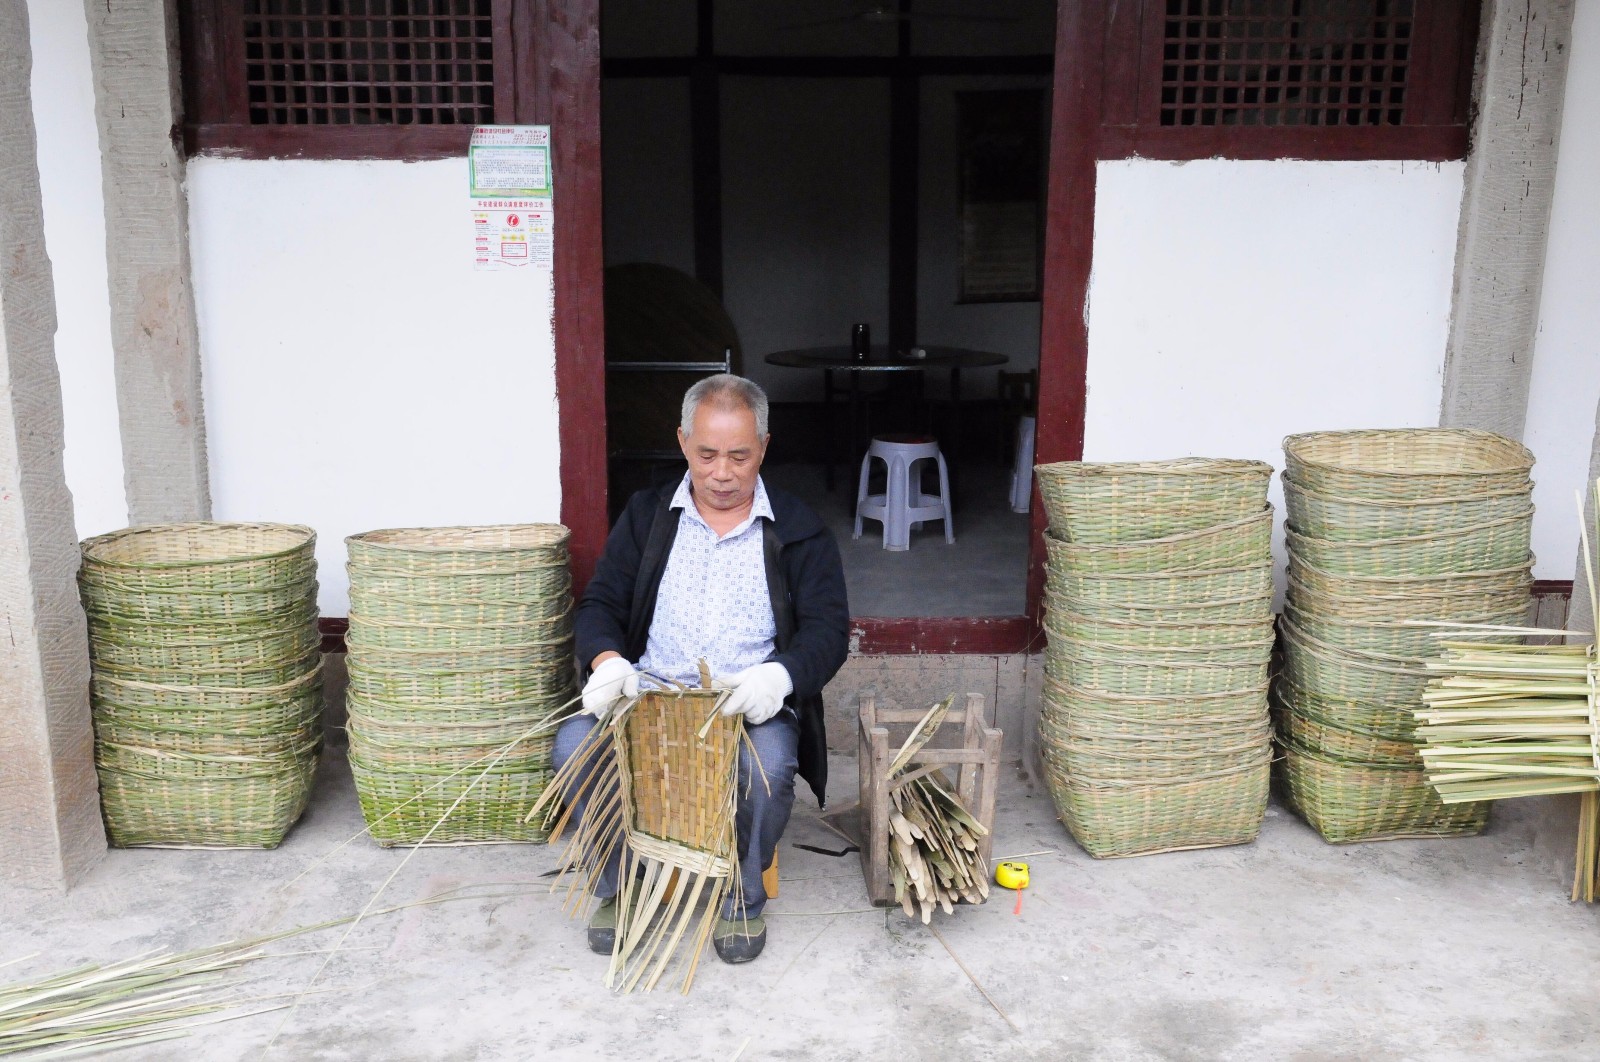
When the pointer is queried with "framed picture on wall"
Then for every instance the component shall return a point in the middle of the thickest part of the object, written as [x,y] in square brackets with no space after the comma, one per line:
[1001,138]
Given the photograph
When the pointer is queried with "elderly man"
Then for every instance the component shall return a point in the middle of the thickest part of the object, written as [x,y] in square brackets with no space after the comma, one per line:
[722,568]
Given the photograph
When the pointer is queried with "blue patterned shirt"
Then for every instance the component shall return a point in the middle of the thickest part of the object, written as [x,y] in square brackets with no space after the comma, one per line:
[713,602]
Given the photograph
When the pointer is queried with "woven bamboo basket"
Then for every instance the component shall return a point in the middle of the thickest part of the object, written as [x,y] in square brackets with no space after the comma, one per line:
[1342,743]
[1136,675]
[1407,464]
[445,552]
[487,588]
[1487,547]
[1348,801]
[460,657]
[1514,578]
[553,683]
[268,652]
[473,659]
[1392,722]
[1107,503]
[1113,821]
[1362,520]
[1388,639]
[1250,608]
[1156,635]
[1226,706]
[200,557]
[249,677]
[196,607]
[1397,608]
[394,611]
[515,717]
[206,685]
[1229,545]
[1372,678]
[163,737]
[449,805]
[1156,589]
[554,630]
[429,745]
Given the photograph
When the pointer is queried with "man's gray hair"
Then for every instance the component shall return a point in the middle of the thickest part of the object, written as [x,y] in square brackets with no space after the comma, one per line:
[726,391]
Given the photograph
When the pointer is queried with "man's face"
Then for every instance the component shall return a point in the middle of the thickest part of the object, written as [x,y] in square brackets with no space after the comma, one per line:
[724,454]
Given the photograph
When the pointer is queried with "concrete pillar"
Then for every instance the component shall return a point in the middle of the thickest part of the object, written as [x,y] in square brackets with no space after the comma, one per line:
[50,829]
[138,107]
[1505,214]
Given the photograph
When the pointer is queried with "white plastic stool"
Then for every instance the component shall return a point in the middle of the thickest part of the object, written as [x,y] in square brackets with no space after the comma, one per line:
[1022,470]
[903,505]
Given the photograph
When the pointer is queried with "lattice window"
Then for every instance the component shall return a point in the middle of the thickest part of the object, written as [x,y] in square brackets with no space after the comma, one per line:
[369,62]
[1286,62]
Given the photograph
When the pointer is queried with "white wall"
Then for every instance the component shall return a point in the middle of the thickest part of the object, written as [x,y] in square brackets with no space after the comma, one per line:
[75,239]
[1566,353]
[358,373]
[1234,303]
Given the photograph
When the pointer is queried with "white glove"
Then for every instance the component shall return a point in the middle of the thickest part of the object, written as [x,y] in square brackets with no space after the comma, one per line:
[758,692]
[613,680]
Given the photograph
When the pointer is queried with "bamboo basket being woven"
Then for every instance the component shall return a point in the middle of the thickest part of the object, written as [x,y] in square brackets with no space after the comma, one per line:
[206,681]
[671,759]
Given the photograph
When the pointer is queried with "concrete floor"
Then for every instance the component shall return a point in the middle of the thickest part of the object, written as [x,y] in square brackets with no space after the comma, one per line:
[983,573]
[1285,949]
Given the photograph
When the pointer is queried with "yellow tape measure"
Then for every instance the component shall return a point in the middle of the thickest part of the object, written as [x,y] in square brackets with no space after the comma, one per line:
[1011,875]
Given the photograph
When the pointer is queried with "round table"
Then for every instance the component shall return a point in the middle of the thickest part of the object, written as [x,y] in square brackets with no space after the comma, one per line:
[839,359]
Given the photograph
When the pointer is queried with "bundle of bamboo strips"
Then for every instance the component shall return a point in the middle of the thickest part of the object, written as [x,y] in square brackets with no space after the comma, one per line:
[934,857]
[1506,721]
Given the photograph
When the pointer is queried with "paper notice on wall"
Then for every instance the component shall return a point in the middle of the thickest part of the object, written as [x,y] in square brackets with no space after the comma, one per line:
[512,234]
[512,206]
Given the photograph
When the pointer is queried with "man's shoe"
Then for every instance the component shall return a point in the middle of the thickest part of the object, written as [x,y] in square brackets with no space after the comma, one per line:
[603,928]
[739,939]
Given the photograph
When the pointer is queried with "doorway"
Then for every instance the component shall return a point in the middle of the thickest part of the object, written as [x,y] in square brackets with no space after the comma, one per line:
[811,166]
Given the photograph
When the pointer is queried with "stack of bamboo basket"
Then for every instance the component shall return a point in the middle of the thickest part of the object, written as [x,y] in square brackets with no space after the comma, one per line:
[1158,610]
[1386,528]
[460,654]
[206,681]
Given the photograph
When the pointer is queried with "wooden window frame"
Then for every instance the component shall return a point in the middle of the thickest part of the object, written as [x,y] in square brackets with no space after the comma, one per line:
[217,110]
[1438,89]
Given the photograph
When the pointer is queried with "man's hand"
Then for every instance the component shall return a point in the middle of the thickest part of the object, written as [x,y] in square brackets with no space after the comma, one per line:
[758,692]
[612,679]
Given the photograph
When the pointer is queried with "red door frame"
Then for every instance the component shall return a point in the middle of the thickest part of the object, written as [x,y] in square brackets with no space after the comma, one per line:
[566,58]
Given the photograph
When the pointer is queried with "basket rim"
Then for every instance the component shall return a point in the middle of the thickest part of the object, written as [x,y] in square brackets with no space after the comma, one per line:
[92,545]
[1291,534]
[1180,539]
[1290,485]
[1180,466]
[1294,447]
[1300,562]
[460,538]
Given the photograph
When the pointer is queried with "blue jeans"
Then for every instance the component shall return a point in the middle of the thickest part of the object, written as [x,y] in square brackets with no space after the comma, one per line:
[763,809]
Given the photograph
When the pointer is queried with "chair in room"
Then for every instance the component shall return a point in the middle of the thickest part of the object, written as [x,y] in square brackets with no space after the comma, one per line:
[902,506]
[1018,397]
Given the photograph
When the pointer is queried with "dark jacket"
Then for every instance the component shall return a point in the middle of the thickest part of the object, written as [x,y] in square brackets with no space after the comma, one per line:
[804,576]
